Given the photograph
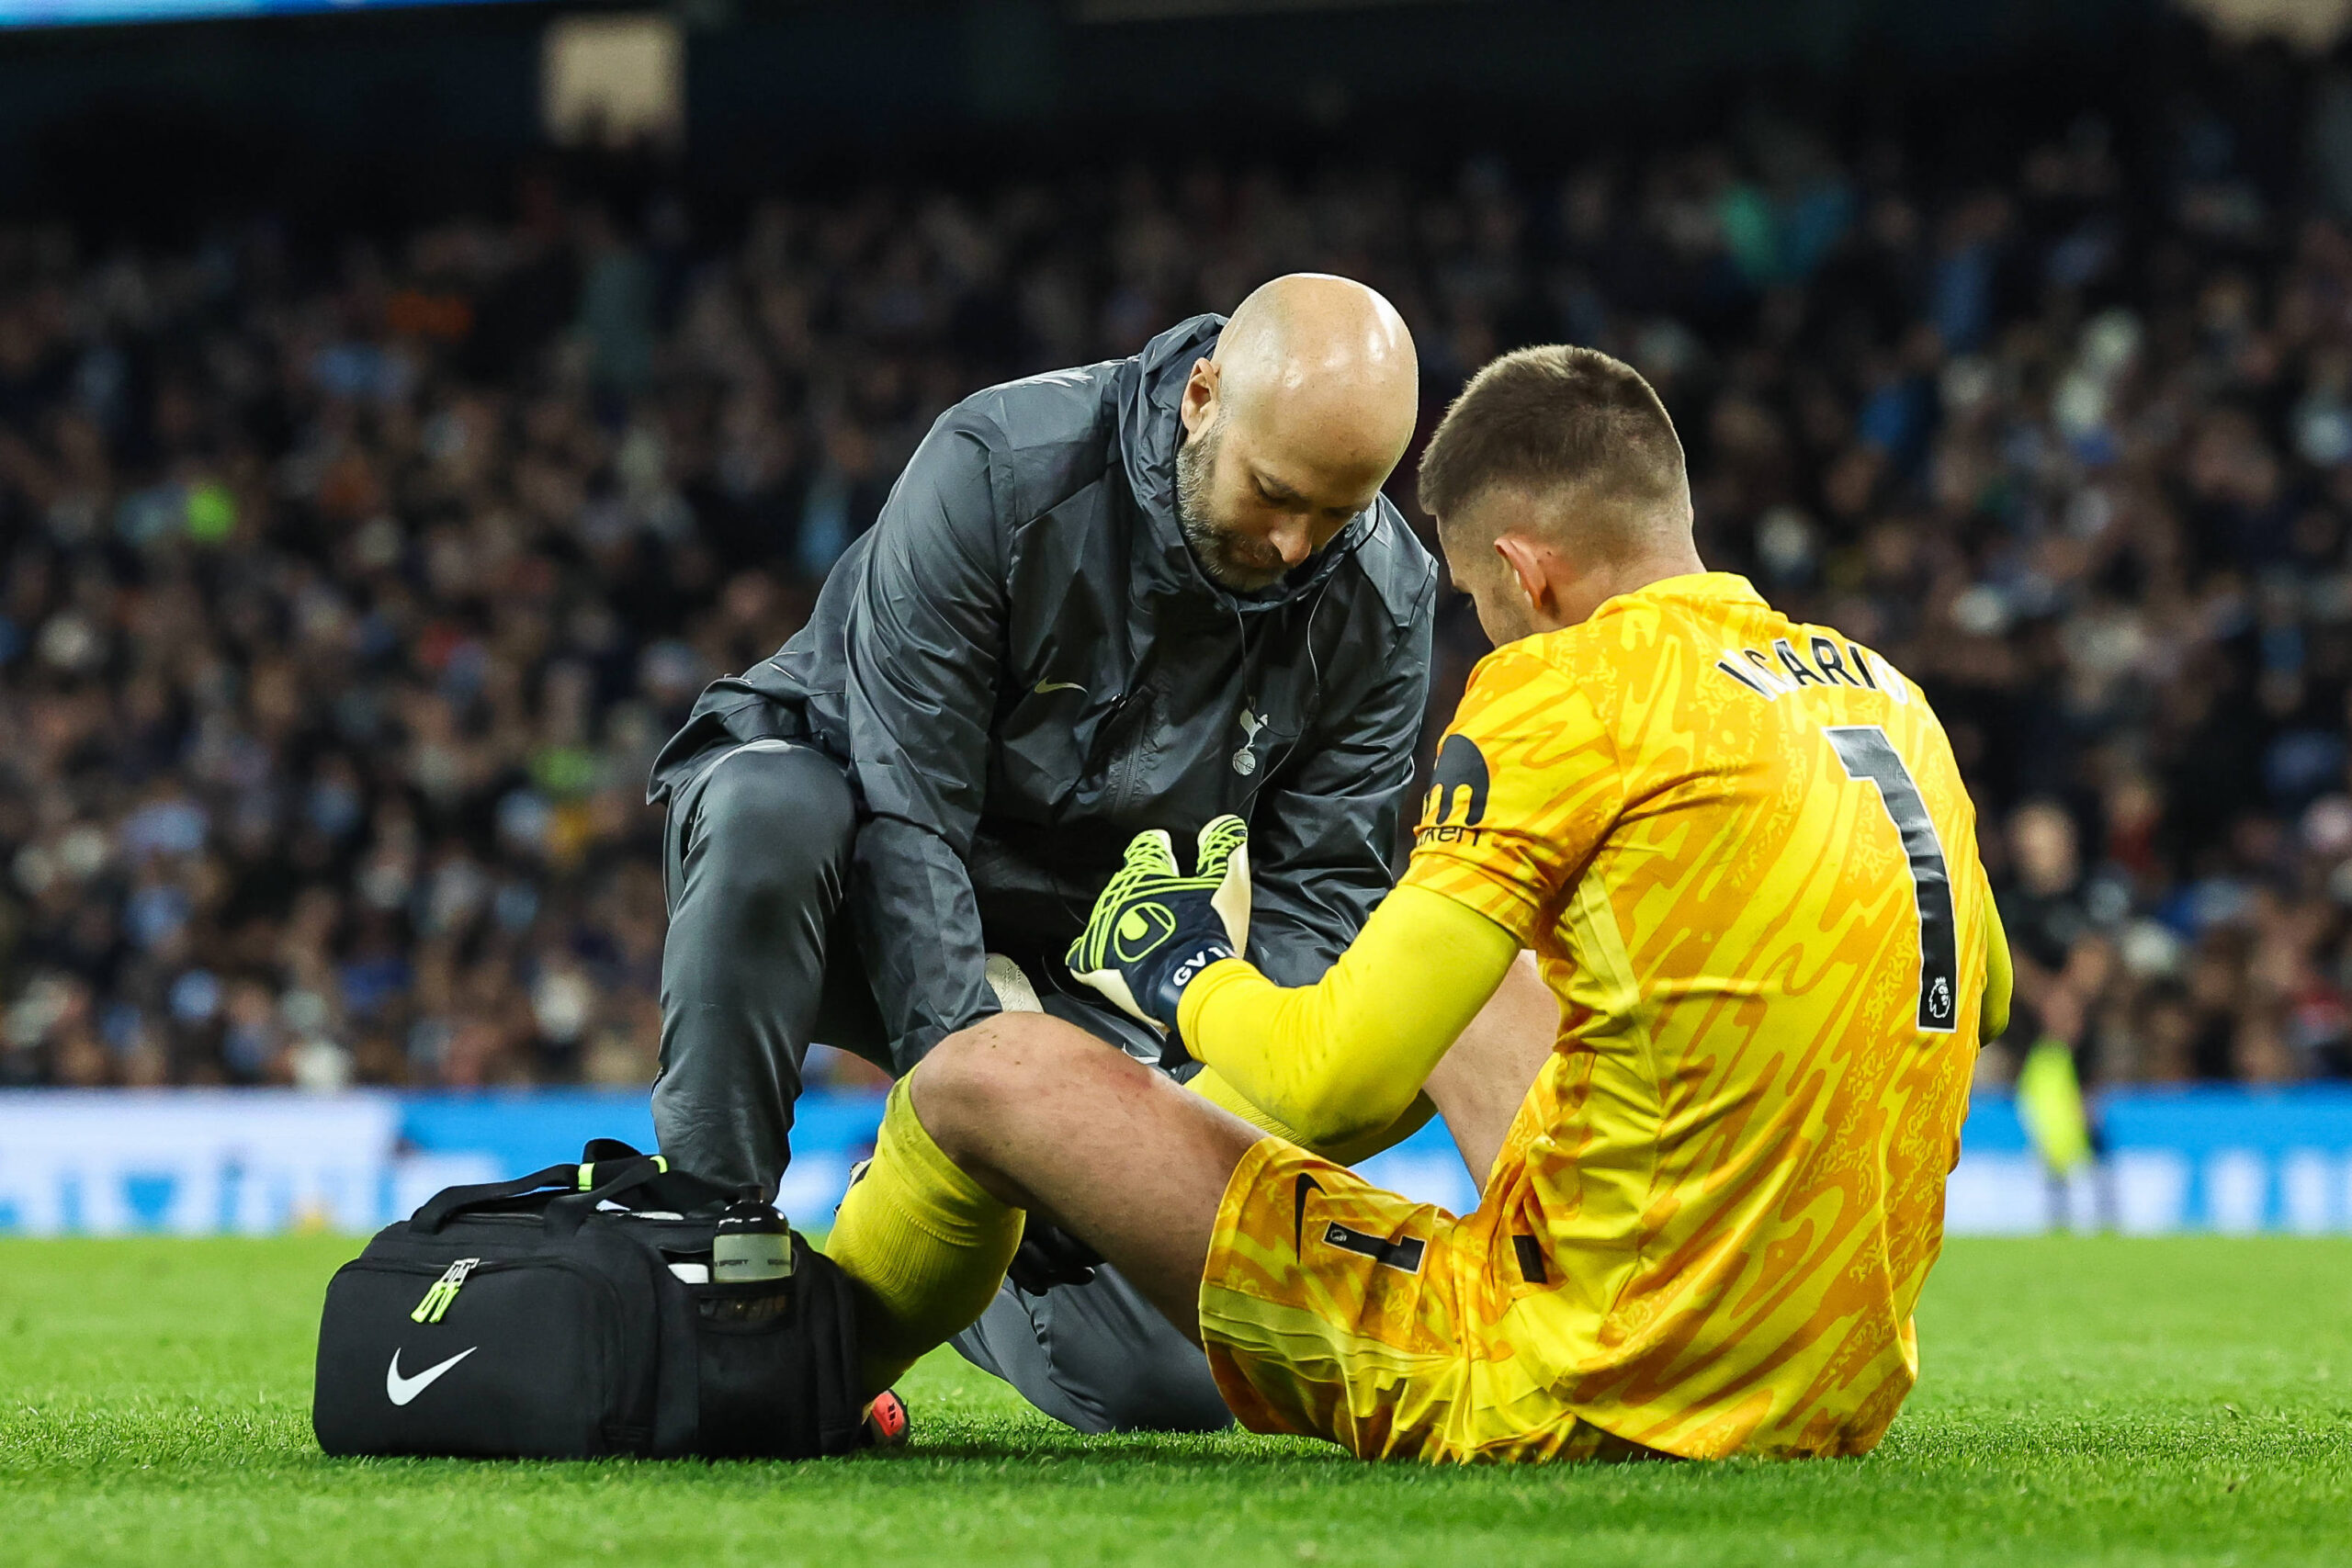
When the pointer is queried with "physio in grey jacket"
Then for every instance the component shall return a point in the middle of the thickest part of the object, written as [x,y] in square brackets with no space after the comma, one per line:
[1133,594]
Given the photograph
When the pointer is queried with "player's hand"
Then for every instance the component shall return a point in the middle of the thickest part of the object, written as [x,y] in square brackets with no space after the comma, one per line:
[1050,1256]
[1154,929]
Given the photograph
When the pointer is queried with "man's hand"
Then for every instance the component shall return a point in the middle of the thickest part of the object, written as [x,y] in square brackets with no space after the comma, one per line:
[1050,1256]
[1154,929]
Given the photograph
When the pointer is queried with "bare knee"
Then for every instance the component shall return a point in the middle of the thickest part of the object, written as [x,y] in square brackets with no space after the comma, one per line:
[983,1087]
[952,1089]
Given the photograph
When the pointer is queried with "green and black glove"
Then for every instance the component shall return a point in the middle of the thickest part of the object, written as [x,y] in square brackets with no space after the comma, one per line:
[1154,929]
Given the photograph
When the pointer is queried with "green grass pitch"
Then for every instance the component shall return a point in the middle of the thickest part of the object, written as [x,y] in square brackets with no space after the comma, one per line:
[2110,1402]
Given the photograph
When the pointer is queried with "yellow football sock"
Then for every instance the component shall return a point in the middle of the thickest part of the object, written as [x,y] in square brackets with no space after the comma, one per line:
[925,1240]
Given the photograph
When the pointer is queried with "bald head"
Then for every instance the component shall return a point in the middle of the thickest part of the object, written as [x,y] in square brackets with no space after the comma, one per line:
[1293,424]
[1324,363]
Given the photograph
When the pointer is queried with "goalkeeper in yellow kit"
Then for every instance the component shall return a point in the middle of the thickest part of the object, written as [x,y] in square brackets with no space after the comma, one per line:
[1713,1158]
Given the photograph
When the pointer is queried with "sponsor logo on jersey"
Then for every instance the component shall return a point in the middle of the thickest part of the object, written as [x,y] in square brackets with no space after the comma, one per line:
[1457,801]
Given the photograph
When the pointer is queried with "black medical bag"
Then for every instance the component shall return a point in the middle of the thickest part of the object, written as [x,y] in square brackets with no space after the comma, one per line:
[571,1315]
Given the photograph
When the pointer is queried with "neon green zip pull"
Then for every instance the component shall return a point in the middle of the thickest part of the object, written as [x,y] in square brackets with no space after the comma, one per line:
[442,1291]
[588,1172]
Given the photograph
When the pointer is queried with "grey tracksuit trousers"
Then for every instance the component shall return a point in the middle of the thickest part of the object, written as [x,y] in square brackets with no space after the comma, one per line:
[757,966]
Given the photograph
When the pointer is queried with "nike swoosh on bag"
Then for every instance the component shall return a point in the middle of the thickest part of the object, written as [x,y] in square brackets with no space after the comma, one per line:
[1046,688]
[401,1389]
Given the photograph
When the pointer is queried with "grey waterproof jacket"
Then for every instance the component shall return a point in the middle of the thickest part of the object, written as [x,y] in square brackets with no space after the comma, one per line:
[1022,665]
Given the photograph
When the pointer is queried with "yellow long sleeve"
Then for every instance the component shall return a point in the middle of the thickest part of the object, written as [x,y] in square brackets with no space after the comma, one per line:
[2000,975]
[1348,1055]
[1210,1084]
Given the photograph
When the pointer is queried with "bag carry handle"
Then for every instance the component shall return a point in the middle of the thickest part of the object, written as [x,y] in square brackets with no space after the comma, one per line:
[566,1214]
[608,1168]
[451,1202]
[446,1204]
[679,1189]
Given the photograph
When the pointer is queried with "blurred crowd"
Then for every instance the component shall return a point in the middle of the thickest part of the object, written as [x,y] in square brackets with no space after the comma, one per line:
[348,591]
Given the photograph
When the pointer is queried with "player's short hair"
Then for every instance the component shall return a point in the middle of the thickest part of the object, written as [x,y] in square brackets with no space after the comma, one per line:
[1560,419]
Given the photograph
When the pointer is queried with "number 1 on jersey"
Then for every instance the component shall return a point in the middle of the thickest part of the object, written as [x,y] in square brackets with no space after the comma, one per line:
[1870,757]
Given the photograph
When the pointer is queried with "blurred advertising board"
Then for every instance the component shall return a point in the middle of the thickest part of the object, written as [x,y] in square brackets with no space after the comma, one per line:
[98,1162]
[2206,1158]
[200,1162]
[79,13]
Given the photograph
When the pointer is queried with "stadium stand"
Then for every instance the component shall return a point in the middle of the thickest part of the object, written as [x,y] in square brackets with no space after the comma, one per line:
[349,589]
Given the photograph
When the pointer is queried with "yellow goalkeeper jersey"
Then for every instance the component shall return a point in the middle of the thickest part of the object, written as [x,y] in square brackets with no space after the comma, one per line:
[1741,849]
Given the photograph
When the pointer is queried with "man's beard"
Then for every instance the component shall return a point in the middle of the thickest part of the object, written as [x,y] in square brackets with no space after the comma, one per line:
[1231,560]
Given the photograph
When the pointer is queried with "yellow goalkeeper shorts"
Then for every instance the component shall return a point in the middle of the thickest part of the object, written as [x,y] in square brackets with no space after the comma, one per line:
[1332,1309]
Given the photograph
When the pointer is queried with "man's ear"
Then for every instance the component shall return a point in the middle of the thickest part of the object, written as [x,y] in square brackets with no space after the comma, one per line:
[1535,565]
[1198,408]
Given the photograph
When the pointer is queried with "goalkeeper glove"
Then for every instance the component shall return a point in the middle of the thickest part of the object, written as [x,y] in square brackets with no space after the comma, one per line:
[1154,929]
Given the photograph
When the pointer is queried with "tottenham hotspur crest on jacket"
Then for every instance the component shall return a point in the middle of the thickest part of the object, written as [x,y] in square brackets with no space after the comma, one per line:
[1245,760]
